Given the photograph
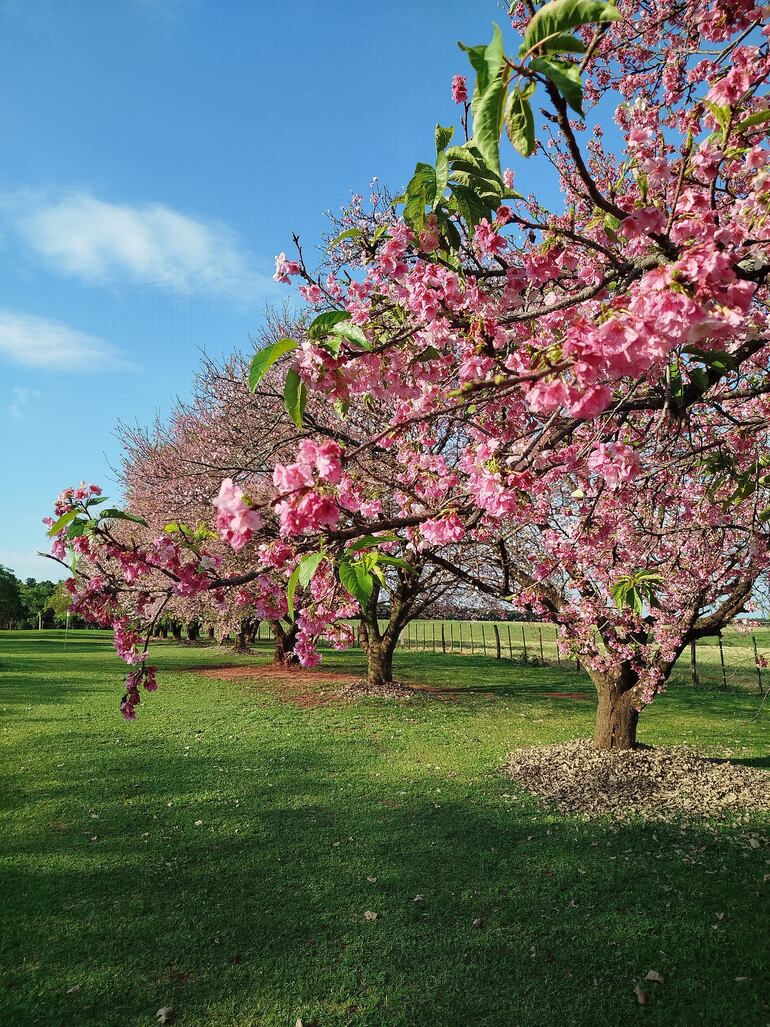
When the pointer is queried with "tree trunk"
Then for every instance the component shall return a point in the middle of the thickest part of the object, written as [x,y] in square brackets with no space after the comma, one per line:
[194,630]
[176,630]
[283,652]
[379,663]
[616,717]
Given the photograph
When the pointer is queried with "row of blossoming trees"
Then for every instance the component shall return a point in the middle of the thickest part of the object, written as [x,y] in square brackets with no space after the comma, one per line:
[561,403]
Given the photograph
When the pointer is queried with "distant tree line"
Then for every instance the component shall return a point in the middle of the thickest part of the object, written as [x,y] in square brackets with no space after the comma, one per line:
[29,603]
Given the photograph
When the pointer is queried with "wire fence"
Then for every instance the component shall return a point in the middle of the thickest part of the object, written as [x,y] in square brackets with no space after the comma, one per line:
[736,659]
[733,659]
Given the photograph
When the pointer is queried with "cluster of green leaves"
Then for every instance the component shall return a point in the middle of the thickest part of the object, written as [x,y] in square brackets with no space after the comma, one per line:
[332,329]
[704,368]
[358,568]
[83,520]
[466,181]
[633,591]
[738,483]
[727,124]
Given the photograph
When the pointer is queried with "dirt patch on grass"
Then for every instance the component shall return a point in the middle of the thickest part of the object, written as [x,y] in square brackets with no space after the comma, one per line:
[294,685]
[319,687]
[654,784]
[361,689]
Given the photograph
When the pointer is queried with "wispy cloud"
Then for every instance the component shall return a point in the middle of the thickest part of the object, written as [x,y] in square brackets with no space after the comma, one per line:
[21,396]
[151,244]
[39,342]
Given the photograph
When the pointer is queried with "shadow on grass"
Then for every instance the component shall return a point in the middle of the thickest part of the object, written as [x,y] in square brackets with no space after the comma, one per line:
[256,916]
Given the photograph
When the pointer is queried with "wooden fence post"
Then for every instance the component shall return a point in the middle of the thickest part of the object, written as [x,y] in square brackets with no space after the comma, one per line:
[484,638]
[556,643]
[524,640]
[443,638]
[460,628]
[499,653]
[510,646]
[433,634]
[694,664]
[722,661]
[756,663]
[473,651]
[540,634]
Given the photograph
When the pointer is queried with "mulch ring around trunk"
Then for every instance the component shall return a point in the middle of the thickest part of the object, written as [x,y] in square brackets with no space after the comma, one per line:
[650,783]
[307,688]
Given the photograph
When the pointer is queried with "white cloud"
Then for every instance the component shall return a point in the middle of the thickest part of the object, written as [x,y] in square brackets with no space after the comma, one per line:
[95,241]
[39,342]
[21,396]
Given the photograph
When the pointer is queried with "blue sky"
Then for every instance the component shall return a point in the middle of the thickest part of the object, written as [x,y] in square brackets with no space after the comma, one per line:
[157,154]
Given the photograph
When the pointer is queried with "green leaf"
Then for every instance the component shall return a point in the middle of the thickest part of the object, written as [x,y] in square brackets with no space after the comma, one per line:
[699,377]
[121,515]
[349,233]
[324,323]
[757,118]
[723,116]
[442,178]
[563,42]
[63,521]
[565,76]
[560,16]
[395,561]
[301,576]
[420,192]
[519,123]
[488,122]
[357,580]
[371,540]
[295,397]
[333,344]
[469,205]
[717,359]
[487,60]
[426,355]
[443,137]
[353,334]
[265,359]
[76,529]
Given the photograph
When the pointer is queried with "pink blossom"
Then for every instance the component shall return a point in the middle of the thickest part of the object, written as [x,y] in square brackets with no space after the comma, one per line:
[459,89]
[285,268]
[236,520]
[441,530]
[615,462]
[486,240]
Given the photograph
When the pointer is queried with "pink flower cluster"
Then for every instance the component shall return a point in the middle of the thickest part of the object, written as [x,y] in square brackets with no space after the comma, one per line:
[440,531]
[616,463]
[459,89]
[142,676]
[285,268]
[236,520]
[303,507]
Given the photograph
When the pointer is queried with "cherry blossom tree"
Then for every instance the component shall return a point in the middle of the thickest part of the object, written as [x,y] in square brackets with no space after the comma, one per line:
[599,363]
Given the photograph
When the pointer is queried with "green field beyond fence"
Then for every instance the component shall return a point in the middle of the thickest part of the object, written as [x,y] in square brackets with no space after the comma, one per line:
[733,664]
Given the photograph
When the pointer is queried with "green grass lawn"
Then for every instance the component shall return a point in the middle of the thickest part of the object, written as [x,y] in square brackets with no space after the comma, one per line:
[218,855]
